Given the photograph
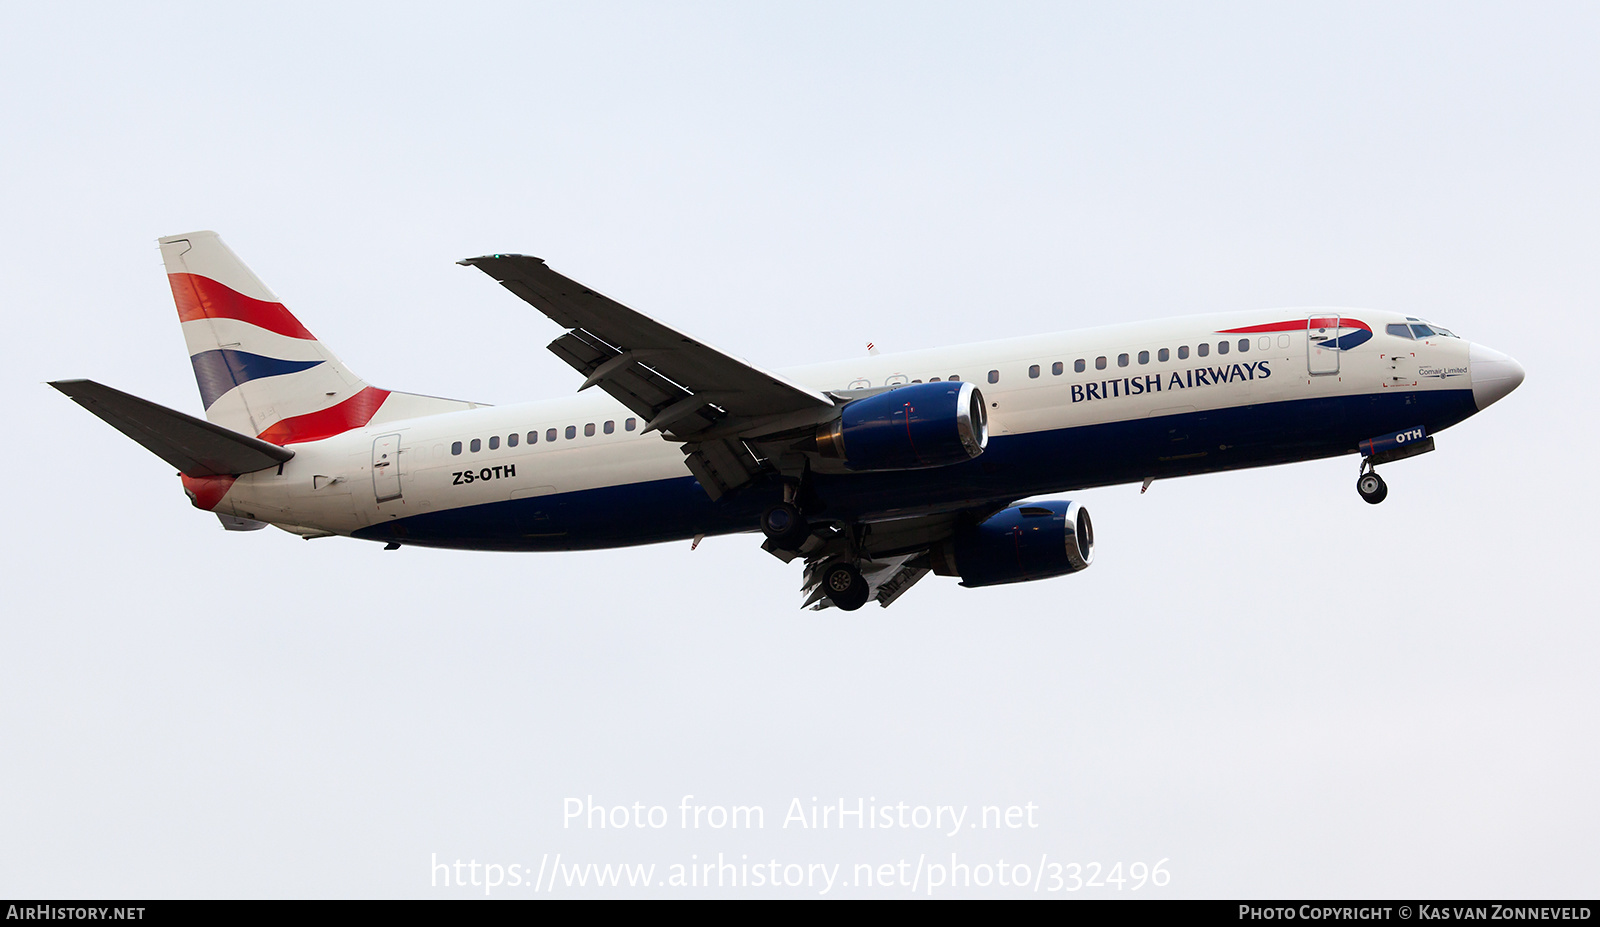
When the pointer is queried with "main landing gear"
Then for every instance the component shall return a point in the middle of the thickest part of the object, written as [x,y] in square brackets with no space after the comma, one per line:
[1370,485]
[844,585]
[787,531]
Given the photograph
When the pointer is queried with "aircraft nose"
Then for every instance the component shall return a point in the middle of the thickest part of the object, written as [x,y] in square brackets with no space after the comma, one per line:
[1494,375]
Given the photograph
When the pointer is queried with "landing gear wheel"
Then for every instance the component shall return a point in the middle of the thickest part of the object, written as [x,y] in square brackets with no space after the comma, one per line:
[844,586]
[785,526]
[1372,487]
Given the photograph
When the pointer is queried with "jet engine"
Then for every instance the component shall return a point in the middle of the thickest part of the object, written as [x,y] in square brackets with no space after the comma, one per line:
[908,428]
[1022,543]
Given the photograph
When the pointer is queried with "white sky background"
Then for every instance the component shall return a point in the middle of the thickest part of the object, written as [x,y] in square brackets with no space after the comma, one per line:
[1279,689]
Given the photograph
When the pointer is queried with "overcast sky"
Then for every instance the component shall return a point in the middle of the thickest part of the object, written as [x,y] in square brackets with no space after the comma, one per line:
[1272,686]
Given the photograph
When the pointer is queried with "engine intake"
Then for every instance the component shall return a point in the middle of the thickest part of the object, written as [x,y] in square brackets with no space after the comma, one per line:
[909,428]
[1022,543]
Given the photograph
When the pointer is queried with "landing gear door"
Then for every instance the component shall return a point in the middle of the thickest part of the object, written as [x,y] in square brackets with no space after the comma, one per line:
[386,467]
[1322,338]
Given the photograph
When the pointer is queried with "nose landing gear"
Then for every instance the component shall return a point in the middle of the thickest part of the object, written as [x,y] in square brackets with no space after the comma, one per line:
[1370,485]
[1386,448]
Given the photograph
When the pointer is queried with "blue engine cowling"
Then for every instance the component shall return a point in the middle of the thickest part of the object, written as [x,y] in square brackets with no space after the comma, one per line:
[909,428]
[1022,543]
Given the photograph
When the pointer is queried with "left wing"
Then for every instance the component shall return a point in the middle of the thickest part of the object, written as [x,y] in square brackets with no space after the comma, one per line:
[686,389]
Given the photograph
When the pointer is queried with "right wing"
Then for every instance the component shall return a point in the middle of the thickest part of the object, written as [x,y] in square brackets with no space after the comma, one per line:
[691,392]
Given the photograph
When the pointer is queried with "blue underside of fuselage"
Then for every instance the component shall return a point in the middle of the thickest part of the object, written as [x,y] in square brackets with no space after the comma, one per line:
[1013,467]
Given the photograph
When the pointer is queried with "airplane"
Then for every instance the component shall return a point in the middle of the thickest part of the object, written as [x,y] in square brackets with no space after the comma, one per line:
[874,471]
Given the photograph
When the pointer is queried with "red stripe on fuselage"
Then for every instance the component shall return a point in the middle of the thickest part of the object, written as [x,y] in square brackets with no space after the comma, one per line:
[353,413]
[203,298]
[1297,325]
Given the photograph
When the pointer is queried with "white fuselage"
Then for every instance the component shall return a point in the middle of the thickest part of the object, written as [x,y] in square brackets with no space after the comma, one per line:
[1131,374]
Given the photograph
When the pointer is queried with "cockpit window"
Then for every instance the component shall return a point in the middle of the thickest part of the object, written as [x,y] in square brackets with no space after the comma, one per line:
[1419,329]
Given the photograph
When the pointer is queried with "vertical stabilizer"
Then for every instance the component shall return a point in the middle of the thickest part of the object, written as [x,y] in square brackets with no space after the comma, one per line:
[259,370]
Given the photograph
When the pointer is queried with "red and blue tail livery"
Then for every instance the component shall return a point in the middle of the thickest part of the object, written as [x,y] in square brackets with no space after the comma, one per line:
[259,370]
[874,471]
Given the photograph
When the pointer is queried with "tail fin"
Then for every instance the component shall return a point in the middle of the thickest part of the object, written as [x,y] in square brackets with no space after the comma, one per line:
[260,371]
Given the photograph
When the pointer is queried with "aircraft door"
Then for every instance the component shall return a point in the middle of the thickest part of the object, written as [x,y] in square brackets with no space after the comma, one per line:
[386,467]
[1322,361]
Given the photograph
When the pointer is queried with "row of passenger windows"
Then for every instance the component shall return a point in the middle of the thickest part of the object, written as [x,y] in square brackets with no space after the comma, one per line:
[550,434]
[1163,355]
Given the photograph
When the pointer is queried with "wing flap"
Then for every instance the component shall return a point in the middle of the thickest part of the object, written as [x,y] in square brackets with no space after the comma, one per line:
[196,448]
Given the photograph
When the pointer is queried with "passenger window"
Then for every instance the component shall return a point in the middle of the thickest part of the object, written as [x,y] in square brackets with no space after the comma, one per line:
[572,432]
[629,424]
[1264,343]
[1056,369]
[916,381]
[1283,341]
[1163,355]
[1222,347]
[1078,365]
[1203,349]
[898,379]
[533,437]
[494,443]
[1183,351]
[588,430]
[550,434]
[1144,357]
[859,384]
[476,445]
[610,427]
[1122,360]
[455,448]
[1033,372]
[994,376]
[1100,362]
[954,378]
[511,440]
[933,379]
[1244,345]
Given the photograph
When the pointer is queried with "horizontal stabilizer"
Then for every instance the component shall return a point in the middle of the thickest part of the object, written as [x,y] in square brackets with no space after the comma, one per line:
[197,448]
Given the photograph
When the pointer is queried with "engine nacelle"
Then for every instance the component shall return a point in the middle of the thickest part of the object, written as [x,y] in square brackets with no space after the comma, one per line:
[1025,542]
[909,428]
